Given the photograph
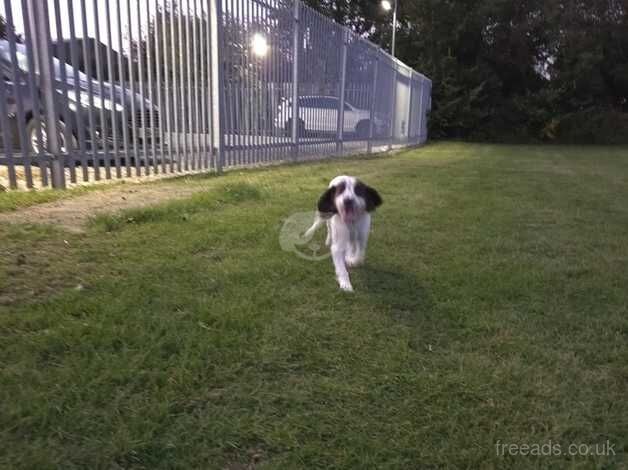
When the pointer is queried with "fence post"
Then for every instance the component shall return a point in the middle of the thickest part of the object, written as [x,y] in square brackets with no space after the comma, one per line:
[40,28]
[372,110]
[393,106]
[295,81]
[217,79]
[421,113]
[341,102]
[410,107]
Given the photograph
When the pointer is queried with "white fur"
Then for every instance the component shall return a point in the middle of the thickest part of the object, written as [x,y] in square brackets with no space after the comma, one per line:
[347,232]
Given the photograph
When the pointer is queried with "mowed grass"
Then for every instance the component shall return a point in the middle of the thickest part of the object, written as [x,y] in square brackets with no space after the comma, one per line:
[492,309]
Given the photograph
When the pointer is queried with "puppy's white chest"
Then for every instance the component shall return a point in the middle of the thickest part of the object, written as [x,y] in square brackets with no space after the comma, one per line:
[353,232]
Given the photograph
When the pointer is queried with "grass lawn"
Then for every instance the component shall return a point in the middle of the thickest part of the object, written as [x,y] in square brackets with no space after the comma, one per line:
[493,308]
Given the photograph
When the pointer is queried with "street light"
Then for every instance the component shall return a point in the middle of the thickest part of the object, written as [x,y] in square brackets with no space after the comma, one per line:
[387,6]
[259,45]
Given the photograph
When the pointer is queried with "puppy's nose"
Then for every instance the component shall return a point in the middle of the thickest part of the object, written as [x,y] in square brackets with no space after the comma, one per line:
[348,203]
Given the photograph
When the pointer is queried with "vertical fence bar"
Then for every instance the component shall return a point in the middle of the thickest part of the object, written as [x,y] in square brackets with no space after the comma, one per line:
[247,88]
[113,93]
[187,89]
[68,122]
[165,106]
[149,69]
[46,80]
[369,147]
[295,81]
[141,54]
[393,106]
[175,84]
[211,88]
[259,88]
[87,60]
[233,81]
[190,90]
[202,86]
[421,111]
[248,93]
[218,86]
[409,120]
[133,117]
[123,100]
[264,87]
[80,125]
[99,74]
[18,85]
[159,79]
[182,106]
[30,30]
[197,118]
[344,36]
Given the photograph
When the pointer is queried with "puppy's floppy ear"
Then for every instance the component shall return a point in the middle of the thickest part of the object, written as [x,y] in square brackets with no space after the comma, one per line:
[371,197]
[326,202]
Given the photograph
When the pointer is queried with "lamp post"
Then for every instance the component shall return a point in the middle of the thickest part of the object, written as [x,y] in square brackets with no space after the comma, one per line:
[387,6]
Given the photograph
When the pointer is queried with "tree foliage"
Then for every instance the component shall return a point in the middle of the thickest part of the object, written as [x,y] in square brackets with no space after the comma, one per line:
[552,70]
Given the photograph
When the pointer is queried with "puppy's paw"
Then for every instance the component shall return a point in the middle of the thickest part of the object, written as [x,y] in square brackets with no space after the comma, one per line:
[345,285]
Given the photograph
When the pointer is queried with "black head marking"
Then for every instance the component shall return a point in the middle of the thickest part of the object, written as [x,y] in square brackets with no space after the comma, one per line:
[326,202]
[371,197]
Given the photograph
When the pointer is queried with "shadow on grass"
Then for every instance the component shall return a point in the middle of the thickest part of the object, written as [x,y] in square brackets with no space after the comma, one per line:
[401,294]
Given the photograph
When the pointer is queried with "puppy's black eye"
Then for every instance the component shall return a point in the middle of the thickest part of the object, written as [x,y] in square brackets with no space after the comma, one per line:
[340,189]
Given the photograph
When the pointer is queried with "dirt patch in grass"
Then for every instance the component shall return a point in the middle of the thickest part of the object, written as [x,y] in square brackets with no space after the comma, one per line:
[72,214]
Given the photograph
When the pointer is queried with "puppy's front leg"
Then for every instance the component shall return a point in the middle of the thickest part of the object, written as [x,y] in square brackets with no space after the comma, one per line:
[328,239]
[338,256]
[356,257]
[318,221]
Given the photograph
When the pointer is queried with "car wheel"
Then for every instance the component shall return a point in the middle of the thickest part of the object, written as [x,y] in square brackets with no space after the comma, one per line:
[363,128]
[32,135]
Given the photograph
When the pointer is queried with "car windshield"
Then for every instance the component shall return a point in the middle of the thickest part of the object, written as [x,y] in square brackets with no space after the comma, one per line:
[319,102]
[22,64]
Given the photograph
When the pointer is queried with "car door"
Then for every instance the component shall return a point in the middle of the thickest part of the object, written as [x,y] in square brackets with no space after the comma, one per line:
[316,113]
[330,123]
[306,112]
[351,119]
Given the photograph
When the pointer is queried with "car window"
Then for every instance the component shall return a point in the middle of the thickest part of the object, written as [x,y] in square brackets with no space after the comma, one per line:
[305,102]
[318,102]
[331,103]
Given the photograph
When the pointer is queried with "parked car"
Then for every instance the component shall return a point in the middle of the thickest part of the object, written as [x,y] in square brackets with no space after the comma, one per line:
[319,115]
[73,104]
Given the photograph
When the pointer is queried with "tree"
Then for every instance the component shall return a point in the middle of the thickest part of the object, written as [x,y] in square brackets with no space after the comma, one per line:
[4,31]
[506,70]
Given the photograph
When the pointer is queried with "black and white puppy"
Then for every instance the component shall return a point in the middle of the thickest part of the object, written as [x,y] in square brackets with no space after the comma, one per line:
[346,207]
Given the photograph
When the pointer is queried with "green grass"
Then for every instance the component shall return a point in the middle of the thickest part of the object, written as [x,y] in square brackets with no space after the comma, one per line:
[493,308]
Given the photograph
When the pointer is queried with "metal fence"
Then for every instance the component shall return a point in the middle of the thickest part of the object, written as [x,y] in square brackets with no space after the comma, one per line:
[148,87]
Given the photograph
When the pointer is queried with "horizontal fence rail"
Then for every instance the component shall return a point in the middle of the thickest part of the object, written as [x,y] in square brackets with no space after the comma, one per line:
[103,89]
